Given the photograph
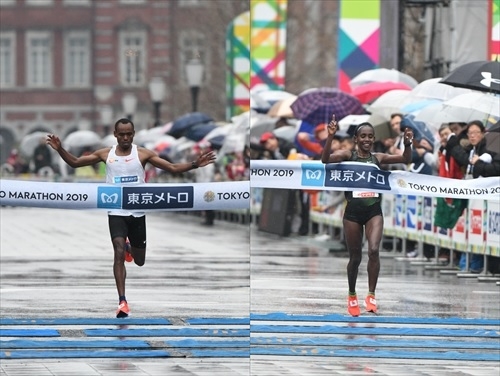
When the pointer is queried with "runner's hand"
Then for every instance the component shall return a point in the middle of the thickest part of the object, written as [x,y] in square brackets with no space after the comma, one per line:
[408,136]
[332,126]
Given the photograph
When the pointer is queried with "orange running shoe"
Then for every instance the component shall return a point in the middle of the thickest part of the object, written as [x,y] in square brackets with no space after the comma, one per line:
[353,306]
[371,304]
[128,255]
[122,310]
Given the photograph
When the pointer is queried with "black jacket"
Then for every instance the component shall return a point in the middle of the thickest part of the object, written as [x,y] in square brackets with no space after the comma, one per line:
[481,168]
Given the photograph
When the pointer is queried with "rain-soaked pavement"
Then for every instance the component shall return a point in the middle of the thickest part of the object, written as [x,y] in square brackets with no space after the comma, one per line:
[191,301]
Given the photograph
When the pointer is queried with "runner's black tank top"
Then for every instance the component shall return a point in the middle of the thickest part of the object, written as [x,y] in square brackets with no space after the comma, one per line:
[363,201]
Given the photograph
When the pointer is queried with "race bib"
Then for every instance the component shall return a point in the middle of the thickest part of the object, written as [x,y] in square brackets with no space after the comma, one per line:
[358,194]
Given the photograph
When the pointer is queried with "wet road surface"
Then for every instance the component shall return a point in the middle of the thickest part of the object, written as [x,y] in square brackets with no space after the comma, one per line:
[191,302]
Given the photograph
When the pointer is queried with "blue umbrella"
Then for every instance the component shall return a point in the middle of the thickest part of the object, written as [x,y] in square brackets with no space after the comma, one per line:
[184,122]
[198,131]
[419,105]
[419,128]
[217,141]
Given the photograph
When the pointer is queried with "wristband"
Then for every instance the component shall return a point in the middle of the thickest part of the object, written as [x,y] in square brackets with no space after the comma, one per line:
[194,165]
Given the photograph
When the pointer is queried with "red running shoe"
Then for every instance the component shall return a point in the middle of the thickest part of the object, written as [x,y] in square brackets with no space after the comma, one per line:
[122,310]
[128,255]
[371,304]
[353,306]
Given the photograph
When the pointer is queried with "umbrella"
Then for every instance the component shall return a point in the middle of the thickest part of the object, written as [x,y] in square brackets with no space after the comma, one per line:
[282,108]
[382,75]
[287,132]
[485,103]
[30,142]
[184,122]
[369,92]
[145,136]
[418,105]
[217,136]
[262,100]
[216,142]
[198,131]
[477,75]
[163,142]
[492,137]
[108,141]
[433,89]
[82,139]
[317,106]
[388,103]
[236,139]
[420,129]
[380,124]
[259,124]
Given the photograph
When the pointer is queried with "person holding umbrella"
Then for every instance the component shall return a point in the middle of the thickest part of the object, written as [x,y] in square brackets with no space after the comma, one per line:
[478,161]
[125,164]
[363,212]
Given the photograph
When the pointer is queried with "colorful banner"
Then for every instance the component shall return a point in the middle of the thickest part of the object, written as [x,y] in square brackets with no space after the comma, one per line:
[267,44]
[238,65]
[358,40]
[494,30]
[365,179]
[135,197]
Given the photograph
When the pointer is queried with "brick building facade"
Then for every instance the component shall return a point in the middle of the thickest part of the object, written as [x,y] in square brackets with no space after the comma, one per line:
[62,62]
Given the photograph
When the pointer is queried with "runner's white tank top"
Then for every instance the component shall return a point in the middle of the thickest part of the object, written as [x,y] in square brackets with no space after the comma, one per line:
[124,170]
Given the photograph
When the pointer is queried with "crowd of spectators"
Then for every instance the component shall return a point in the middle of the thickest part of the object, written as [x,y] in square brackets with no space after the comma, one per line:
[458,152]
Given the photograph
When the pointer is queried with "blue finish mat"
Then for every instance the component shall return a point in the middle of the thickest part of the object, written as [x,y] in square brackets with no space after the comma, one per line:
[314,351]
[183,332]
[330,329]
[370,318]
[85,321]
[60,343]
[369,342]
[29,333]
[208,343]
[218,321]
[51,354]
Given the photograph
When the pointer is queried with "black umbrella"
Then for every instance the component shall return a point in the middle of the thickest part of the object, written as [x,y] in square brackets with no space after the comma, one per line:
[492,137]
[184,122]
[478,75]
[198,131]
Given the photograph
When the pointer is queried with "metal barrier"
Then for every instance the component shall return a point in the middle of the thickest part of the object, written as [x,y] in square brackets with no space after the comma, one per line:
[412,218]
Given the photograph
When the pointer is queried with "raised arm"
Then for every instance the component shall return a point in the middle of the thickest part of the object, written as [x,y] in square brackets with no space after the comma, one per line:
[338,155]
[70,159]
[384,158]
[153,158]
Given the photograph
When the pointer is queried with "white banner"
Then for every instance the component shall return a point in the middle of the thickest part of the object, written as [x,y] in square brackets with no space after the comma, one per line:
[140,197]
[356,176]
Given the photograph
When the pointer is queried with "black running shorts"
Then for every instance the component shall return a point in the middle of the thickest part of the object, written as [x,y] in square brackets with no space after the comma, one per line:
[132,227]
[362,214]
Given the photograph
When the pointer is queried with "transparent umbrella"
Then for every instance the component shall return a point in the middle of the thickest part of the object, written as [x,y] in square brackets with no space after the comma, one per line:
[30,142]
[82,139]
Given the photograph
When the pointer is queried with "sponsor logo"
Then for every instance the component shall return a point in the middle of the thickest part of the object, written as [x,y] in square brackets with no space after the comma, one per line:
[209,196]
[129,159]
[125,179]
[109,197]
[313,174]
[476,221]
[148,198]
[488,80]
[402,183]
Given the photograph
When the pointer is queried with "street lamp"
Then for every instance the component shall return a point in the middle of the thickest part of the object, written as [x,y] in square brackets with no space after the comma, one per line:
[157,93]
[129,103]
[194,74]
[106,118]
